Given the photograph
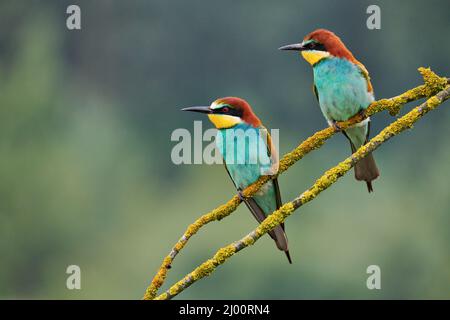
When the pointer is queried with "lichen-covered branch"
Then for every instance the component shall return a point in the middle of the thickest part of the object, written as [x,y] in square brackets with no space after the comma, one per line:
[325,181]
[432,85]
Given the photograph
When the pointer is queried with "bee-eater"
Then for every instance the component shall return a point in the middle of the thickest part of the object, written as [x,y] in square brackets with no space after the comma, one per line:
[343,89]
[248,153]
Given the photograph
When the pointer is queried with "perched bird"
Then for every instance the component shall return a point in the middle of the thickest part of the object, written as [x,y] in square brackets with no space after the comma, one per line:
[248,153]
[343,89]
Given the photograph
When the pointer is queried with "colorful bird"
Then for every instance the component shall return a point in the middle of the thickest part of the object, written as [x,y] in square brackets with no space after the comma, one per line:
[248,153]
[343,89]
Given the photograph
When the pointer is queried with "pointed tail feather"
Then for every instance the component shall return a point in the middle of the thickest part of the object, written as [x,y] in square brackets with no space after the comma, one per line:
[277,234]
[366,170]
[288,256]
[280,238]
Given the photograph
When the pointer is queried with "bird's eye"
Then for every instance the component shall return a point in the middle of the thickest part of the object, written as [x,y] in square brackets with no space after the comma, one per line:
[312,45]
[225,109]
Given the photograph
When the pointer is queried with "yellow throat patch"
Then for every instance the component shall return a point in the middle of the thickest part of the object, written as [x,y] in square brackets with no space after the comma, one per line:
[223,121]
[314,56]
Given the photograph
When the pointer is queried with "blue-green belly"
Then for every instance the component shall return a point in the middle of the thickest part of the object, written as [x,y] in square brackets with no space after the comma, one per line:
[341,88]
[246,161]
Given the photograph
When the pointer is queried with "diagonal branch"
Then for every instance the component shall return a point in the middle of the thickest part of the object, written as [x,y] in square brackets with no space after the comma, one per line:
[327,179]
[432,85]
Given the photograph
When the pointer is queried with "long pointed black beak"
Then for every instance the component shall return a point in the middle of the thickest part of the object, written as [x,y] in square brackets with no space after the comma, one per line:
[295,47]
[198,109]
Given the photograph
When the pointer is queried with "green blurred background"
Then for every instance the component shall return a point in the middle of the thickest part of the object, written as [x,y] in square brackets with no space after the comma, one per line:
[86,174]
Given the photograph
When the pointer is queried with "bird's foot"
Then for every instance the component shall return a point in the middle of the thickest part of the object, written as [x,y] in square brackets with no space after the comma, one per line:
[362,113]
[334,124]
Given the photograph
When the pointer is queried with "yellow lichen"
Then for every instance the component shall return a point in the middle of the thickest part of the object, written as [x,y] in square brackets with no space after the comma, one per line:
[276,218]
[433,84]
[433,102]
[178,246]
[163,296]
[248,241]
[224,253]
[175,288]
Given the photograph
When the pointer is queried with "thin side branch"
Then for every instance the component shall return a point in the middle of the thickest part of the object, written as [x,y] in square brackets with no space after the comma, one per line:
[432,85]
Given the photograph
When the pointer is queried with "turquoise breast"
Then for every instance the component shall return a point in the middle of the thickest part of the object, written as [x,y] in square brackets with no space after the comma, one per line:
[244,150]
[341,88]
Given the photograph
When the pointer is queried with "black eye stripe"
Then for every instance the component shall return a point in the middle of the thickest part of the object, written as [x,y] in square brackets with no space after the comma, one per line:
[231,111]
[315,46]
